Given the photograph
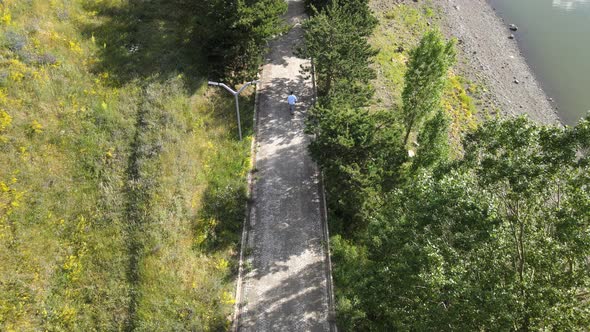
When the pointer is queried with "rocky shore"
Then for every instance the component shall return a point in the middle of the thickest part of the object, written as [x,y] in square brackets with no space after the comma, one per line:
[489,55]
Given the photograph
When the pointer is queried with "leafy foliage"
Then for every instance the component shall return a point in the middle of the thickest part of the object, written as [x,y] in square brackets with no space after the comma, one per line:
[359,153]
[336,40]
[499,240]
[492,237]
[223,40]
[316,4]
[236,33]
[425,79]
[433,142]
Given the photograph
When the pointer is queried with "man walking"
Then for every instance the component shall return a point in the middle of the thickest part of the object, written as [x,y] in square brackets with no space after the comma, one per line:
[292,100]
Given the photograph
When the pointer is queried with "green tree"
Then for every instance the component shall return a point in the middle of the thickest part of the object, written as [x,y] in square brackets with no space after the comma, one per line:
[336,39]
[235,34]
[359,152]
[433,142]
[499,240]
[318,5]
[358,11]
[425,79]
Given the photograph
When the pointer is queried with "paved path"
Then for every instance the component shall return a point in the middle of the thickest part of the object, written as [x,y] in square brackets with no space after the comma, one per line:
[286,284]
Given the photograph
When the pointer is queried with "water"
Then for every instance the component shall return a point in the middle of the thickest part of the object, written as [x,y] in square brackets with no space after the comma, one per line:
[554,35]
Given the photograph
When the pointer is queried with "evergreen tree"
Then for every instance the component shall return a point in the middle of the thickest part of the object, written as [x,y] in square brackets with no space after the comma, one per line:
[235,34]
[336,39]
[433,142]
[317,5]
[359,152]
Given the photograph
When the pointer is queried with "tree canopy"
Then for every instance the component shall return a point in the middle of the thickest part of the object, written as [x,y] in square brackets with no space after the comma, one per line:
[498,239]
[336,40]
[235,35]
[494,236]
[424,81]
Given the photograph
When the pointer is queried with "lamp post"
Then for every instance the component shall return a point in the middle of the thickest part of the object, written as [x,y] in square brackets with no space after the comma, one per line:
[236,94]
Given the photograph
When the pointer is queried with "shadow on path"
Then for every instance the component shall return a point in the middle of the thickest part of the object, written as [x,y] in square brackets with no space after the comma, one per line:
[285,287]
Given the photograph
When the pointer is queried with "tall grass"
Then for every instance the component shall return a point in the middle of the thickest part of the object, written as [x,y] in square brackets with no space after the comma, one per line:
[122,182]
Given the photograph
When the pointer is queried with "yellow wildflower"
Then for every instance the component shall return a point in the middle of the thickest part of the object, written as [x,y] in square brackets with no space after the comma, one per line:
[5,120]
[227,298]
[36,127]
[75,47]
[3,96]
[67,314]
[6,18]
[16,76]
[18,69]
[54,36]
[222,264]
[36,42]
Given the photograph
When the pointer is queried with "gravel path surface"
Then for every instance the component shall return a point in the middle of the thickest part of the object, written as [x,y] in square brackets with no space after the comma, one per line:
[286,283]
[487,55]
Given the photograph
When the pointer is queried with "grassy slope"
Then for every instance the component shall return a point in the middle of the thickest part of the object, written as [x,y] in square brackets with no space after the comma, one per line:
[121,181]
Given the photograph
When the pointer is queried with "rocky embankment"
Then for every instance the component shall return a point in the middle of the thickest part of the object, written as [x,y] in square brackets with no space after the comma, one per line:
[489,55]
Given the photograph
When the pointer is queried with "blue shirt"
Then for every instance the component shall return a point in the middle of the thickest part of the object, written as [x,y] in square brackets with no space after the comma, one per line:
[292,99]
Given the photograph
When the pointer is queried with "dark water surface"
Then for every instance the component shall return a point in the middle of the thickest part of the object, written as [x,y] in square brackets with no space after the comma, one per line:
[554,35]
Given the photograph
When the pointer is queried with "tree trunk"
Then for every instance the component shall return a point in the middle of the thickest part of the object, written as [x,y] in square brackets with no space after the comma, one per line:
[409,130]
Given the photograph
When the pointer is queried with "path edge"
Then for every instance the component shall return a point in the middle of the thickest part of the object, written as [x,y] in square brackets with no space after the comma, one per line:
[329,280]
[244,240]
[324,217]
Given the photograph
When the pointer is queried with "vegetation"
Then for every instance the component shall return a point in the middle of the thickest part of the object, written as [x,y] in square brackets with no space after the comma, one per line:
[235,34]
[425,79]
[336,40]
[400,31]
[122,183]
[493,236]
[318,5]
[494,240]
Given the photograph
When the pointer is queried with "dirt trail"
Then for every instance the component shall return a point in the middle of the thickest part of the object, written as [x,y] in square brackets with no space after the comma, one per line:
[286,282]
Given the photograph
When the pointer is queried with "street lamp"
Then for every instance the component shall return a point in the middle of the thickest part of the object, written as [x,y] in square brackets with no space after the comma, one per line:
[235,93]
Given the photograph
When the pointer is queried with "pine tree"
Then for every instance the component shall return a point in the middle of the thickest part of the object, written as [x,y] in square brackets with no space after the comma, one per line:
[336,39]
[236,33]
